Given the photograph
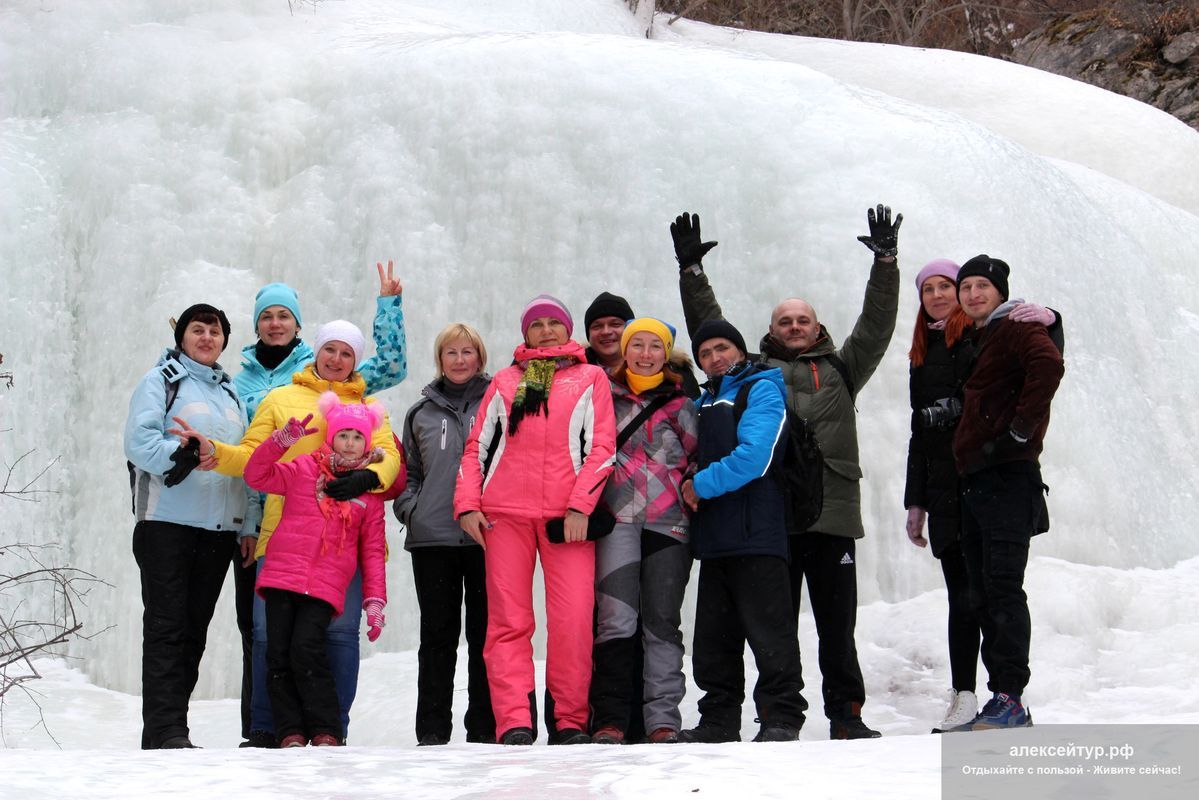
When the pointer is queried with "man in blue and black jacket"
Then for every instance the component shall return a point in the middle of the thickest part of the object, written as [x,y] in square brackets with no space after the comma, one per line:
[739,534]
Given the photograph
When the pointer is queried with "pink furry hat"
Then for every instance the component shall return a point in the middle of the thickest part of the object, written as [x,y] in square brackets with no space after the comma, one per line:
[362,417]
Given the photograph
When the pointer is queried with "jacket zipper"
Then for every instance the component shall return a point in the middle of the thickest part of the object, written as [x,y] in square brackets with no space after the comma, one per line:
[815,375]
[443,432]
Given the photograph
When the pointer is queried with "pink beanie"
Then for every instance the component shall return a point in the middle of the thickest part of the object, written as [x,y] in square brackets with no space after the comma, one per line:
[544,305]
[362,417]
[940,266]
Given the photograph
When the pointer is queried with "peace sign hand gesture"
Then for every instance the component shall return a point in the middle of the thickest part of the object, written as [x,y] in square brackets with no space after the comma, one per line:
[186,432]
[389,285]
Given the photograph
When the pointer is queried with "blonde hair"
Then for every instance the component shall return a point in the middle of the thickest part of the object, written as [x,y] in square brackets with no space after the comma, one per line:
[459,330]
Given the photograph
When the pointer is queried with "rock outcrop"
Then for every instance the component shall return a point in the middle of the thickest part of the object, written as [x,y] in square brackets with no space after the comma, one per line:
[1147,51]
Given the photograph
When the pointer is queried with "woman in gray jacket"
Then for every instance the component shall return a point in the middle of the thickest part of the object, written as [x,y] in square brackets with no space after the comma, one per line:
[447,565]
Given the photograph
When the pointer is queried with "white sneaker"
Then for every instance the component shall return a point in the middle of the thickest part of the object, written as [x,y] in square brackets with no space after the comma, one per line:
[963,707]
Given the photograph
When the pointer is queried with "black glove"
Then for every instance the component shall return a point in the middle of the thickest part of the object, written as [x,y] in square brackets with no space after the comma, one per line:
[349,485]
[1004,447]
[186,458]
[884,237]
[688,248]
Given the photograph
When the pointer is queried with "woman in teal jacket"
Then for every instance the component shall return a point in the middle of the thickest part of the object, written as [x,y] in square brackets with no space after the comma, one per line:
[185,530]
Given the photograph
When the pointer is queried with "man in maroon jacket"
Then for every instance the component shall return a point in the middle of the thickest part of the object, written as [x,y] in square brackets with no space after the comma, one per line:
[1005,414]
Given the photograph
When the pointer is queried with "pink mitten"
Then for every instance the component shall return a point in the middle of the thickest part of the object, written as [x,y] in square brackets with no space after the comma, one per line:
[293,431]
[374,617]
[1031,312]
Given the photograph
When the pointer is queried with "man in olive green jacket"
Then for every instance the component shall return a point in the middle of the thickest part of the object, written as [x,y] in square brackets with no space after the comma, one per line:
[822,384]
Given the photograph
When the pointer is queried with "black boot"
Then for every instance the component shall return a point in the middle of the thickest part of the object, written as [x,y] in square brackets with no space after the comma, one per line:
[849,725]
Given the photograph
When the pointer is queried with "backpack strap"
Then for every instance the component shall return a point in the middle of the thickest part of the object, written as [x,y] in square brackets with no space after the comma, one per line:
[843,370]
[835,361]
[628,430]
[172,376]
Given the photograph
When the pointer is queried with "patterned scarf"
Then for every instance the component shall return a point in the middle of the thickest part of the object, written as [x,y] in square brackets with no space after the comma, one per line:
[329,466]
[539,365]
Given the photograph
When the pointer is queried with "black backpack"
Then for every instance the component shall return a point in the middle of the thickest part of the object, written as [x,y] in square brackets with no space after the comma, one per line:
[800,472]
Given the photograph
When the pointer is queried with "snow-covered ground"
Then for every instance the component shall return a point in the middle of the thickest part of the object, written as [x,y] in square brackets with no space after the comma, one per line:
[156,153]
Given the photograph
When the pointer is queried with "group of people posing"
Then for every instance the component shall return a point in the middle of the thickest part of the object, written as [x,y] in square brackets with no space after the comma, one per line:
[611,466]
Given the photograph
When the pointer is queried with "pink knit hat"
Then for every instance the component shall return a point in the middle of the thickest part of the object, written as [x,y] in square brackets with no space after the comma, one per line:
[940,266]
[362,417]
[544,305]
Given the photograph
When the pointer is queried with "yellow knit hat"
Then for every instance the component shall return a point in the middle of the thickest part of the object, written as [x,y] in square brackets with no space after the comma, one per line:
[648,325]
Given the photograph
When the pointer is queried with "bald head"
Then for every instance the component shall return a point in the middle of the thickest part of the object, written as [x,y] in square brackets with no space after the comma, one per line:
[793,323]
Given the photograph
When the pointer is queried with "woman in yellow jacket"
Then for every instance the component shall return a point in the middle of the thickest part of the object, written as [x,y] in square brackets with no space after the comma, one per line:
[339,347]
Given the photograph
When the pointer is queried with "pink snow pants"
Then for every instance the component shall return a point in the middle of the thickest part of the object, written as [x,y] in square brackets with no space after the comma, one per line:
[513,544]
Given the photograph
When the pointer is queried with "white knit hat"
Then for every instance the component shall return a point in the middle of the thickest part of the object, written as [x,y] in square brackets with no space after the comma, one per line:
[341,331]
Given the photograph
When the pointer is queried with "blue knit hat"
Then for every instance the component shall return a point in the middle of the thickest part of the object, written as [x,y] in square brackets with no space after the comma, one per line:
[277,294]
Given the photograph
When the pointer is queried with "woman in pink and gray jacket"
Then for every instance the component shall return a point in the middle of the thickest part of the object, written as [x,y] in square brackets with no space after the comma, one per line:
[541,448]
[643,566]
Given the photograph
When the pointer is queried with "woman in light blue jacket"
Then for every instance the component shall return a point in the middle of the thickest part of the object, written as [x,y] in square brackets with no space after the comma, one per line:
[267,364]
[185,529]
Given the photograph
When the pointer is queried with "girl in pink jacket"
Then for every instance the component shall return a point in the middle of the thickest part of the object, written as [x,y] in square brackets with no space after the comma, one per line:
[313,555]
[541,448]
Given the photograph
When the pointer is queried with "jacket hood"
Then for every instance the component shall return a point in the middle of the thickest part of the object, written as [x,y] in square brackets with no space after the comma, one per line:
[769,346]
[1003,310]
[301,354]
[184,363]
[355,387]
[728,384]
[475,388]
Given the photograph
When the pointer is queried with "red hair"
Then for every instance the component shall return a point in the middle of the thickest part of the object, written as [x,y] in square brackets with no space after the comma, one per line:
[955,324]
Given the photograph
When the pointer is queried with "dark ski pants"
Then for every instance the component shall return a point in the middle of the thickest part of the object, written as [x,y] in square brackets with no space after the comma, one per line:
[964,630]
[739,599]
[640,576]
[182,572]
[1001,507]
[243,601]
[827,562]
[445,577]
[342,640]
[303,697]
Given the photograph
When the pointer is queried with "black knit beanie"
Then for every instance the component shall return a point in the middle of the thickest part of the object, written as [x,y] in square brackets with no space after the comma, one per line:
[717,329]
[197,310]
[984,266]
[607,305]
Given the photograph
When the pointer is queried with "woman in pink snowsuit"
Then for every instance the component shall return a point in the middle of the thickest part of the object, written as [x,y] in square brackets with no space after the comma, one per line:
[541,448]
[313,555]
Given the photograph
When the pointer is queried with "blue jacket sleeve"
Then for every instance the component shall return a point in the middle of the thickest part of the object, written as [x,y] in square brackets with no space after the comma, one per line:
[389,365]
[147,444]
[758,432]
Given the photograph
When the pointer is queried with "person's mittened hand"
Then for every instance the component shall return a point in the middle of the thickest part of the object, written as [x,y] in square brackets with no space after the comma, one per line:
[1031,312]
[375,620]
[294,431]
[186,458]
[883,240]
[1004,447]
[348,485]
[689,248]
[915,526]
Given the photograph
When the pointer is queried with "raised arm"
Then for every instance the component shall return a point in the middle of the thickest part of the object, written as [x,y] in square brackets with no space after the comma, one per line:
[389,365]
[699,301]
[863,349]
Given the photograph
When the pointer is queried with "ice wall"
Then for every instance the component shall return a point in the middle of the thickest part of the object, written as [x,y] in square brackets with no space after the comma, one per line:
[157,154]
